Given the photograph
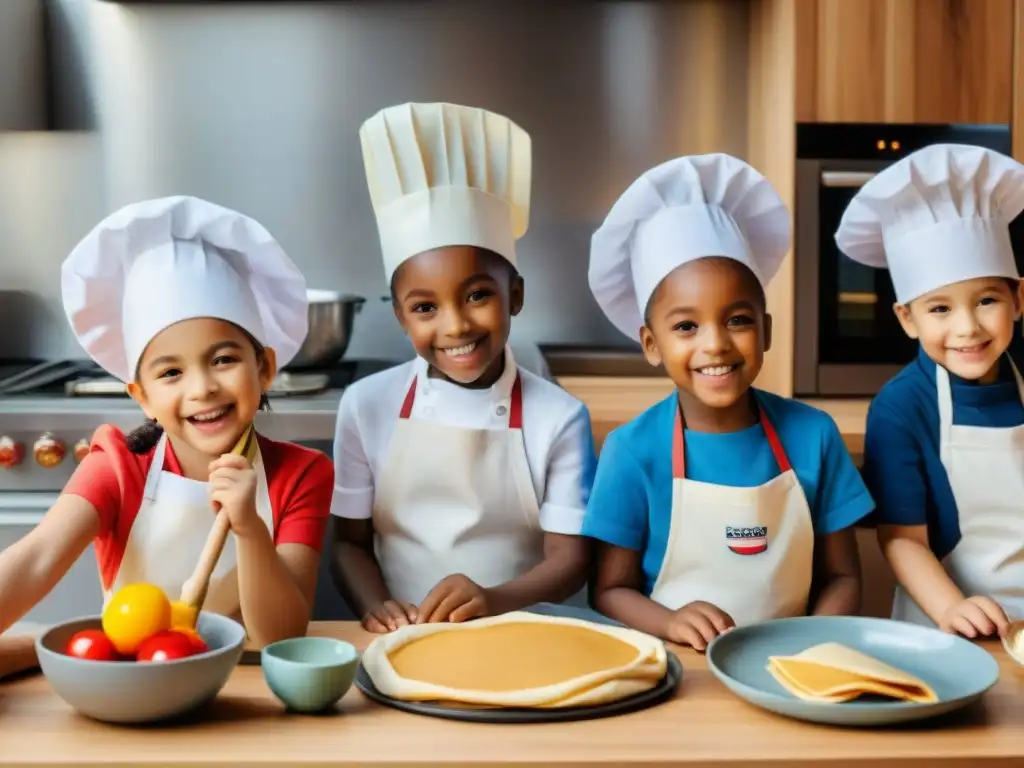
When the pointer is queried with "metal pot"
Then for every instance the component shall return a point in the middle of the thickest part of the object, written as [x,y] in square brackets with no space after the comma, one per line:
[331,315]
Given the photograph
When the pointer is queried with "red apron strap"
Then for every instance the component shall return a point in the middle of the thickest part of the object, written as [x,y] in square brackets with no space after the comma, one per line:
[515,411]
[774,442]
[515,416]
[410,398]
[679,445]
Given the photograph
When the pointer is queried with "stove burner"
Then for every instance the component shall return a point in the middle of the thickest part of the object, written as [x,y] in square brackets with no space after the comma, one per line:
[84,378]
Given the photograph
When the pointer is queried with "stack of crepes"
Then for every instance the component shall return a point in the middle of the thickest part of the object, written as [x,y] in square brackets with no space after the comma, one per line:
[831,673]
[516,660]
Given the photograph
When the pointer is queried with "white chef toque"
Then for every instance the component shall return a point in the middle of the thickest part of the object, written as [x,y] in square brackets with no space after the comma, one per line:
[155,263]
[443,174]
[682,210]
[939,216]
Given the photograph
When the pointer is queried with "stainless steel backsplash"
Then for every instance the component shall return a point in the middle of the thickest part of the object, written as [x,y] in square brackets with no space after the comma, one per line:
[257,107]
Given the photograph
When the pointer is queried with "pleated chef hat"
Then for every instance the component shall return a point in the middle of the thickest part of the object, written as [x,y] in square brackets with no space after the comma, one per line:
[155,263]
[938,216]
[442,174]
[682,210]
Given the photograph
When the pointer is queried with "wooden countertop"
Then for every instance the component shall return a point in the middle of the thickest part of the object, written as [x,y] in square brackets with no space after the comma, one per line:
[703,726]
[614,400]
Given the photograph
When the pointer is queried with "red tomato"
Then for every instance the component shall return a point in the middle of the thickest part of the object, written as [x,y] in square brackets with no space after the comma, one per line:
[165,646]
[198,643]
[92,644]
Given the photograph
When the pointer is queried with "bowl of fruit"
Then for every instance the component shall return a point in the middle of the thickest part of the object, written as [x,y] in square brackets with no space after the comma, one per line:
[142,660]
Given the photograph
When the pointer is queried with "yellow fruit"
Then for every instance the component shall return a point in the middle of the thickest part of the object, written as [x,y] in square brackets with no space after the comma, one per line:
[182,615]
[135,612]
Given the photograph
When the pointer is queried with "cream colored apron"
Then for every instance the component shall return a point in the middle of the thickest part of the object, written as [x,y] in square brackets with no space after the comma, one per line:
[455,500]
[985,467]
[171,529]
[748,551]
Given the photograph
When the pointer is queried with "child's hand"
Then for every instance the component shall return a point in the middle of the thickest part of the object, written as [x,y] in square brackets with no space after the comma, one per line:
[977,616]
[233,490]
[455,598]
[389,616]
[697,624]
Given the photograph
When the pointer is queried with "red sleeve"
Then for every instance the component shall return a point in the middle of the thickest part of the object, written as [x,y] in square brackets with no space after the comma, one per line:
[110,477]
[300,483]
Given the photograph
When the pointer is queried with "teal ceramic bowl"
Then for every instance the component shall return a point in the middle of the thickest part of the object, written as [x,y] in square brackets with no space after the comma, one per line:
[309,674]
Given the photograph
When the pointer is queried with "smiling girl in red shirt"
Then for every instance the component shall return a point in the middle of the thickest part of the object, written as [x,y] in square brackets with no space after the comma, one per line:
[194,307]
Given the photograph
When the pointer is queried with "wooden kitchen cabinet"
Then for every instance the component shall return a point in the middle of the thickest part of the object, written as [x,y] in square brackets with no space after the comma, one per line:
[904,61]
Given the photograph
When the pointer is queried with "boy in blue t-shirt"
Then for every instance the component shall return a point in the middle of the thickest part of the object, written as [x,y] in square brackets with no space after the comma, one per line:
[944,448]
[722,505]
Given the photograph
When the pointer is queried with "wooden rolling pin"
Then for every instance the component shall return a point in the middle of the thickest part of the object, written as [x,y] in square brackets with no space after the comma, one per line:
[193,591]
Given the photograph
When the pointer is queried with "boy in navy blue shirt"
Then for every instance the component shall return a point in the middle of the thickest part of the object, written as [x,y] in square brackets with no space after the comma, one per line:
[944,448]
[722,505]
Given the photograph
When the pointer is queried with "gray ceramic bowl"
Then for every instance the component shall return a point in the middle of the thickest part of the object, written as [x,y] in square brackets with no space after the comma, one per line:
[309,674]
[132,692]
[958,670]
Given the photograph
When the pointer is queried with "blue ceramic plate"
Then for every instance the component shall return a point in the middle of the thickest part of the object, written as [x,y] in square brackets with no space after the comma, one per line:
[959,671]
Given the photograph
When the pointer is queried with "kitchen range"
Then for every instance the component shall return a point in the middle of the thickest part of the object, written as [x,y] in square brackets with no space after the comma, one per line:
[49,411]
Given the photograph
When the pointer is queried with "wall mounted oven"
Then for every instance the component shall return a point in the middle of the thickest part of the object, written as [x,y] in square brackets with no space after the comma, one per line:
[848,340]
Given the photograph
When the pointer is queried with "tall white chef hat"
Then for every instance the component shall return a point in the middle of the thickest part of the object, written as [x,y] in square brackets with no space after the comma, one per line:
[155,263]
[682,210]
[938,216]
[442,174]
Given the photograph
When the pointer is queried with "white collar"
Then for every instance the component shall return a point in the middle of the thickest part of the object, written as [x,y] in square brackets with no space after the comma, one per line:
[500,390]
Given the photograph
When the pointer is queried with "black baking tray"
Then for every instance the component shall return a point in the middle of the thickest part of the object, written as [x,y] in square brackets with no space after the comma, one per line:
[661,692]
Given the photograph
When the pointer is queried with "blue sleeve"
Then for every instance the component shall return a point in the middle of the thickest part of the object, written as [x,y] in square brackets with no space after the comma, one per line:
[843,498]
[893,466]
[617,509]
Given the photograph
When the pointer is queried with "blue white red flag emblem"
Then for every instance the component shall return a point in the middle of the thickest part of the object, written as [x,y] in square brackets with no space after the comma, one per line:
[747,541]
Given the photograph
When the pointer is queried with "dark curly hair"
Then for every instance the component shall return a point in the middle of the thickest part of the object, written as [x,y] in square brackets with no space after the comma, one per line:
[143,439]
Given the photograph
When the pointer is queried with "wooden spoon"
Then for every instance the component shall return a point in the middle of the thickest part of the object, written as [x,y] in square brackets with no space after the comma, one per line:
[193,591]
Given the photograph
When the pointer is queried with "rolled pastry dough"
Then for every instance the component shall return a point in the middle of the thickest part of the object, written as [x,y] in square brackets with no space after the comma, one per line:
[834,673]
[518,659]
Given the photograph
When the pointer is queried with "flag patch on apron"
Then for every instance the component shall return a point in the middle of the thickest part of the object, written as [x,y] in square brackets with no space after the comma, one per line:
[747,541]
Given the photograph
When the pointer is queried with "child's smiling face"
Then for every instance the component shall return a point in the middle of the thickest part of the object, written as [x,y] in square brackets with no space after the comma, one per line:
[456,305]
[202,380]
[965,327]
[706,323]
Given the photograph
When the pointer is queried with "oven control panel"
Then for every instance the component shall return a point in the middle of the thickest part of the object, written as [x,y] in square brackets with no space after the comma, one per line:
[39,461]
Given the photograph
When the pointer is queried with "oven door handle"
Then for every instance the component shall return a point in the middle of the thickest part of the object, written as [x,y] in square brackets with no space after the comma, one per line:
[18,509]
[846,179]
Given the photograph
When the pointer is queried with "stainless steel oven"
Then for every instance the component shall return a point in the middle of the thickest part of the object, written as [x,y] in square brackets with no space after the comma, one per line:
[847,339]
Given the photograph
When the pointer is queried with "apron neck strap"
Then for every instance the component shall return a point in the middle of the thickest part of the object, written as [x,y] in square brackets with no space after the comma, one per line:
[944,392]
[515,412]
[679,443]
[153,475]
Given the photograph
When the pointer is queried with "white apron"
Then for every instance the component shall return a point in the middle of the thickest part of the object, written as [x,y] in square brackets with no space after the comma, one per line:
[455,500]
[748,551]
[171,529]
[985,467]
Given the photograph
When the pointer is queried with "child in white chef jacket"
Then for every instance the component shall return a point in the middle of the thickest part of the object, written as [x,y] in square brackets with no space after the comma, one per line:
[944,447]
[723,504]
[193,306]
[462,479]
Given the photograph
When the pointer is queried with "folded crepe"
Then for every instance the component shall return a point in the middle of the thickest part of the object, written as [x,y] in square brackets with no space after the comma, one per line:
[518,659]
[833,673]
